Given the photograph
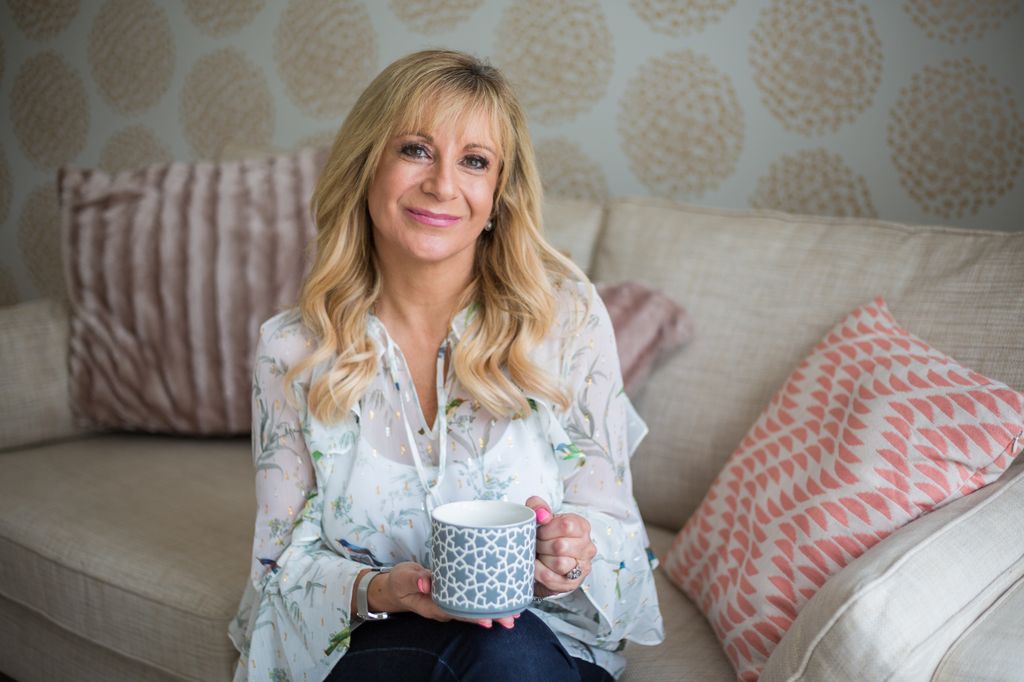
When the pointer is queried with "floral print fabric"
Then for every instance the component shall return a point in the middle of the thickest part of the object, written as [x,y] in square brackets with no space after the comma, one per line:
[334,499]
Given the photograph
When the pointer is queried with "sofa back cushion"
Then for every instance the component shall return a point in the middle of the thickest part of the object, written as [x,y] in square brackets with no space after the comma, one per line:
[762,288]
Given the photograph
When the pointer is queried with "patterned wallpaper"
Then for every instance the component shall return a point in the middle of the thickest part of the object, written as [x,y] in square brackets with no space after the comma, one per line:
[906,110]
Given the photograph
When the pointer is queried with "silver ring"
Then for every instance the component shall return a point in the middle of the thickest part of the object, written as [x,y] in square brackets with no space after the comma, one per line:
[576,573]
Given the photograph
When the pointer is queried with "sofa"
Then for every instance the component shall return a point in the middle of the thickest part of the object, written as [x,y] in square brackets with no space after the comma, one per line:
[123,555]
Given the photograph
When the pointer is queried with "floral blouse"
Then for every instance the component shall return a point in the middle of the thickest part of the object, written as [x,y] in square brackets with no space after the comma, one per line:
[334,499]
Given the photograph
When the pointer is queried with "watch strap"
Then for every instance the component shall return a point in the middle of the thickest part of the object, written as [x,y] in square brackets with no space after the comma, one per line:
[362,599]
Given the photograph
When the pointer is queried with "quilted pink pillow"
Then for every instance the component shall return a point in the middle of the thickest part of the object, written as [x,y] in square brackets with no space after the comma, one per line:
[873,429]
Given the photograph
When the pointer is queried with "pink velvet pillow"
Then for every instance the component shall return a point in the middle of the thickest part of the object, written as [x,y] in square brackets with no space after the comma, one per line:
[873,429]
[648,325]
[170,270]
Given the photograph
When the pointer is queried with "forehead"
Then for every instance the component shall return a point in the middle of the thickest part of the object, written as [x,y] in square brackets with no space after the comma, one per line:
[470,123]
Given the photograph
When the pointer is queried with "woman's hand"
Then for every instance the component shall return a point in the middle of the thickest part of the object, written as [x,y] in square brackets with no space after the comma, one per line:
[563,543]
[406,587]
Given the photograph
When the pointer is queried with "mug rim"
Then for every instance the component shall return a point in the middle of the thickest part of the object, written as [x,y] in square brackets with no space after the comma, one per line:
[437,514]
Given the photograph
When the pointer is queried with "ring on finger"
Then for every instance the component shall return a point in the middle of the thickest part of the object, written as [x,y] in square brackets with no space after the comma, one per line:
[576,573]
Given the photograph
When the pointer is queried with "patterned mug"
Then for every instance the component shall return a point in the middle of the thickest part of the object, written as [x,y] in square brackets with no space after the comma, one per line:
[482,558]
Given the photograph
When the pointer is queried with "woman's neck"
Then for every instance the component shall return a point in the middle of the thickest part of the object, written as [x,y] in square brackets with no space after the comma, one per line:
[425,302]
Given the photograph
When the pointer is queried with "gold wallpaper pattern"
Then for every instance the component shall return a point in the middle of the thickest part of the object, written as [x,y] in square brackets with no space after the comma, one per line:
[558,54]
[567,171]
[219,18]
[42,19]
[960,21]
[226,101]
[131,53]
[681,125]
[680,17]
[49,110]
[817,63]
[434,16]
[815,182]
[326,53]
[956,138]
[907,110]
[133,147]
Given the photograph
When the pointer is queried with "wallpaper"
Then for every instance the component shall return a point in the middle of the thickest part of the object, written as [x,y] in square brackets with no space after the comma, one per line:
[906,110]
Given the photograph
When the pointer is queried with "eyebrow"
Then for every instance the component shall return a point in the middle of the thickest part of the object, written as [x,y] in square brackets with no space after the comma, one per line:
[471,145]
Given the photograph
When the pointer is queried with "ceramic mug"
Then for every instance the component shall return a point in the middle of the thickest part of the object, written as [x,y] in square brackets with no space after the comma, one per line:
[482,558]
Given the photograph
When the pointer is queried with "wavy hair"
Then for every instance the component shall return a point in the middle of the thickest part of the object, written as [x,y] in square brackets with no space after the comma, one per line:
[515,270]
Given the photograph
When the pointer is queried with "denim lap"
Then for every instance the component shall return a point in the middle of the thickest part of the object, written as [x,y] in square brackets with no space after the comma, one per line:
[410,648]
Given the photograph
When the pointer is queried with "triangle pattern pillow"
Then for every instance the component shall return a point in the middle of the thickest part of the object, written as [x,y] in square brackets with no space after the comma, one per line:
[872,430]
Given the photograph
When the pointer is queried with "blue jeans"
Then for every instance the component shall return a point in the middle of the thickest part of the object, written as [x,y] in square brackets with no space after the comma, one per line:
[410,648]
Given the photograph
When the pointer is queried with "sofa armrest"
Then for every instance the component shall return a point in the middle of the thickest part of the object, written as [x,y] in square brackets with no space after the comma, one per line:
[34,398]
[895,611]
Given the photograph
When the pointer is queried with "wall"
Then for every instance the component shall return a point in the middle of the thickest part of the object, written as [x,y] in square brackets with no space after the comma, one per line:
[907,110]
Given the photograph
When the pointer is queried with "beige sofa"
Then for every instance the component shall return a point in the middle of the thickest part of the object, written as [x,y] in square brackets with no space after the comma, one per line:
[123,556]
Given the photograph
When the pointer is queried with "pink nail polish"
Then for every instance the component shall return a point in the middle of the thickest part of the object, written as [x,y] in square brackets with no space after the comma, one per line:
[509,626]
[421,584]
[485,624]
[543,515]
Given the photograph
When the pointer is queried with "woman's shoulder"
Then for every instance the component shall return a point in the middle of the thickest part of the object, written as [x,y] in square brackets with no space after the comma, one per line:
[286,338]
[577,305]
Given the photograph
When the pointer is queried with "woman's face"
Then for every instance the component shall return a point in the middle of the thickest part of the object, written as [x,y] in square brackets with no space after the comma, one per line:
[433,193]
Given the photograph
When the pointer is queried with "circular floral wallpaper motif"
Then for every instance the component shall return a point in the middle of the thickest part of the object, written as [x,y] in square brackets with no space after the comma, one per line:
[134,147]
[958,21]
[39,19]
[433,16]
[49,110]
[677,18]
[956,138]
[681,125]
[567,171]
[131,52]
[226,101]
[326,53]
[39,241]
[558,54]
[814,182]
[817,63]
[219,18]
[8,287]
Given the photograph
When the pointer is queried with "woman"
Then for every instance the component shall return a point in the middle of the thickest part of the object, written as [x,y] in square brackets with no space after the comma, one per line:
[441,351]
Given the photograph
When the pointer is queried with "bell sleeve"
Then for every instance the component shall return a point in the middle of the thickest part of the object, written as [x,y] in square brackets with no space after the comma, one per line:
[598,434]
[294,621]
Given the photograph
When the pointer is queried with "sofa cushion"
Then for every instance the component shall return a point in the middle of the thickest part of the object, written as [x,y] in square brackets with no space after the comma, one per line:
[572,226]
[871,430]
[34,404]
[170,270]
[989,649]
[893,613]
[690,650]
[764,287]
[140,544]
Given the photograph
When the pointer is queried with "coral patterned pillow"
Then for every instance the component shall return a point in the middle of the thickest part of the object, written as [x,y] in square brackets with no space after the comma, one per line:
[872,430]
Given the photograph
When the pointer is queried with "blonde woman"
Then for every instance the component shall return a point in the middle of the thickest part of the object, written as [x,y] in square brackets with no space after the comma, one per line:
[441,350]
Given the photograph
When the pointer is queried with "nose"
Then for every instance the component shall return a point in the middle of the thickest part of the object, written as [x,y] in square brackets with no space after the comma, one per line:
[440,180]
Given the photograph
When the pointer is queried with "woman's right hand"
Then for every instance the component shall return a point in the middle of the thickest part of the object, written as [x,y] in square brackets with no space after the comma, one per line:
[406,587]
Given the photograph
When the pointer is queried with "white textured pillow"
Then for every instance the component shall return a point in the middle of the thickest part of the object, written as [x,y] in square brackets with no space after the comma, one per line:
[894,612]
[571,225]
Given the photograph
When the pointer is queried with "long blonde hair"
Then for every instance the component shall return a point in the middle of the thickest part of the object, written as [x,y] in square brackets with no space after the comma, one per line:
[515,271]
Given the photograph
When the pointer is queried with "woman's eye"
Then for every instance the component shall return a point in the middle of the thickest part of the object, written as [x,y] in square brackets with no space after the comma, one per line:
[477,162]
[415,151]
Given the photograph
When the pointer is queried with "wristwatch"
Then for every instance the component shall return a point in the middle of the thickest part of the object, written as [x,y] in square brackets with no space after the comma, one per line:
[362,601]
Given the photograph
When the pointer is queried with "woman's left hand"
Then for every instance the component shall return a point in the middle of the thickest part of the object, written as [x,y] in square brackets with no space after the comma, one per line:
[563,543]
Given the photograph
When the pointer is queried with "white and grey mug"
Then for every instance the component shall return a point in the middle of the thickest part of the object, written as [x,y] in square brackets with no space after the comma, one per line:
[482,558]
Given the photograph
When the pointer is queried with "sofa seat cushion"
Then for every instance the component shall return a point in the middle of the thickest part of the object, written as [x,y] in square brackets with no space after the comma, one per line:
[690,650]
[139,544]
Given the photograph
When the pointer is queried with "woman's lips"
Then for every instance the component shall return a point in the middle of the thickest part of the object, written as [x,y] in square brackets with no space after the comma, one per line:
[432,219]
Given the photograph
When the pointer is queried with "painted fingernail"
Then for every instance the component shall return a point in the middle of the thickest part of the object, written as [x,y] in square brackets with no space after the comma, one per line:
[421,584]
[517,615]
[543,515]
[509,625]
[485,624]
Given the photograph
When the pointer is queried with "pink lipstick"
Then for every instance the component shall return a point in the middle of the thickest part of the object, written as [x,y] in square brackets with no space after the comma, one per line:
[433,219]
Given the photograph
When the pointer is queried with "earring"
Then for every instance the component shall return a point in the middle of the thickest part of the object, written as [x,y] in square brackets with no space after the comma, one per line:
[489,226]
